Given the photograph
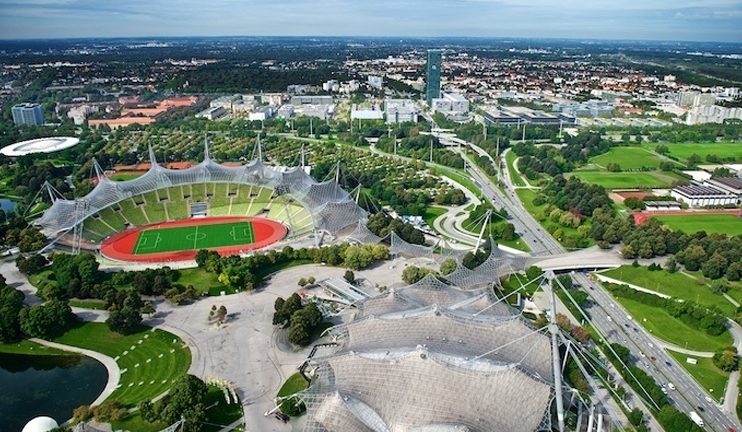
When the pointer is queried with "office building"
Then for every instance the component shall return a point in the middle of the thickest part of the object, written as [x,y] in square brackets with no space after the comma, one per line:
[28,114]
[401,110]
[433,79]
[450,103]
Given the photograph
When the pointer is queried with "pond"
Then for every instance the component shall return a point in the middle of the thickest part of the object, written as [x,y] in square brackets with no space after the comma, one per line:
[35,385]
[7,204]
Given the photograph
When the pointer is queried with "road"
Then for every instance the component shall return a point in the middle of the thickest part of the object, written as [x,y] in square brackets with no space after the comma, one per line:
[688,395]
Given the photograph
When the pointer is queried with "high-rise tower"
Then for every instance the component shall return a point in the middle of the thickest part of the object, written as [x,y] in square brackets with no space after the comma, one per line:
[433,79]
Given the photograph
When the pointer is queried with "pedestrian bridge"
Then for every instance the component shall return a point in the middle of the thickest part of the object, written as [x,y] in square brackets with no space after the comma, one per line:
[591,258]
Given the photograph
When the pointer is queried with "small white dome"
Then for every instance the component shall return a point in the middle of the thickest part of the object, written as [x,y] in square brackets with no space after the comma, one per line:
[40,424]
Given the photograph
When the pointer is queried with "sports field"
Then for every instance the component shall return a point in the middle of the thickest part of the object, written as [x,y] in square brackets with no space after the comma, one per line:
[195,237]
[626,180]
[629,158]
[729,224]
[180,240]
[684,150]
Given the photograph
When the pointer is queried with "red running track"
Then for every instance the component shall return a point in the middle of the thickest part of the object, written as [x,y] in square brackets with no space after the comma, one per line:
[121,246]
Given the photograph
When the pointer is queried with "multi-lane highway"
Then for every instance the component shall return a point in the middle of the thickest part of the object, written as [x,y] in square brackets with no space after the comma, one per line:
[646,352]
[610,318]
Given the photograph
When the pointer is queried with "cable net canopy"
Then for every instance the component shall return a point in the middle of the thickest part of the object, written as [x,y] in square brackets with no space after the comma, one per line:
[402,248]
[498,264]
[330,207]
[417,390]
[440,330]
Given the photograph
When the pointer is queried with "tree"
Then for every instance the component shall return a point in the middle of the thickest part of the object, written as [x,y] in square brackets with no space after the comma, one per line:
[302,282]
[221,313]
[185,399]
[628,252]
[148,412]
[11,303]
[580,334]
[349,276]
[448,266]
[125,320]
[533,272]
[45,320]
[636,417]
[726,359]
[413,274]
[148,308]
[563,321]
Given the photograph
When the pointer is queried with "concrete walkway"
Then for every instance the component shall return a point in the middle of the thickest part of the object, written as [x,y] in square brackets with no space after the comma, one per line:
[114,373]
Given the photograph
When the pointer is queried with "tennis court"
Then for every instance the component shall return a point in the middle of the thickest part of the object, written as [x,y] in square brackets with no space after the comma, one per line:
[156,240]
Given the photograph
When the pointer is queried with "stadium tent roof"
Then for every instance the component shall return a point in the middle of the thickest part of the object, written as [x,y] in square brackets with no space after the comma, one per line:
[400,390]
[508,340]
[41,145]
[331,207]
[431,357]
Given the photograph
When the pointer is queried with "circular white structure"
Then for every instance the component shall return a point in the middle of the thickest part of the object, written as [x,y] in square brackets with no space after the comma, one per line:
[40,145]
[40,424]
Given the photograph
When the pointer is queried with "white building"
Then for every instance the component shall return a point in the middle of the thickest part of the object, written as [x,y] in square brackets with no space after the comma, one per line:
[702,196]
[695,99]
[375,82]
[712,114]
[286,111]
[372,112]
[261,113]
[450,103]
[401,110]
[309,110]
[212,113]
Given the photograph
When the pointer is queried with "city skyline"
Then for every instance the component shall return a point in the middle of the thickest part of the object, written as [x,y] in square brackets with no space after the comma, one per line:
[718,20]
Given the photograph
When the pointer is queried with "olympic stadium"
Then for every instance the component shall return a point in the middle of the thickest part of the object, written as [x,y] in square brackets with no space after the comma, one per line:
[205,194]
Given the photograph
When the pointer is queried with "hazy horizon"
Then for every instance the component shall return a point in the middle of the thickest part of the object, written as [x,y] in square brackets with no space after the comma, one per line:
[655,20]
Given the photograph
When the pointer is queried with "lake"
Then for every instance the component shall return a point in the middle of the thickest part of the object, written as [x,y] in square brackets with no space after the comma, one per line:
[7,204]
[35,385]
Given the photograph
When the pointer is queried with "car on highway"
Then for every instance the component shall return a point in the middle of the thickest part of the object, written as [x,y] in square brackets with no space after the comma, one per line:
[671,385]
[700,408]
[668,364]
[609,318]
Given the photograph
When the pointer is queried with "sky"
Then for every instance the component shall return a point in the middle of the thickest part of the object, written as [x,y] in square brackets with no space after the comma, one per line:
[688,20]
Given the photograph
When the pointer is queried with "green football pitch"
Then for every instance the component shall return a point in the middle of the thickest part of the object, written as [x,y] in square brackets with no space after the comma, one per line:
[194,237]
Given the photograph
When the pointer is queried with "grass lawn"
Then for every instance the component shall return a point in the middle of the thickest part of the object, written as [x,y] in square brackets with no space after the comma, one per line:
[709,376]
[88,304]
[526,197]
[156,240]
[684,150]
[458,177]
[673,284]
[149,360]
[667,328]
[124,176]
[202,281]
[628,158]
[295,383]
[432,213]
[31,348]
[510,158]
[728,224]
[515,281]
[626,180]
